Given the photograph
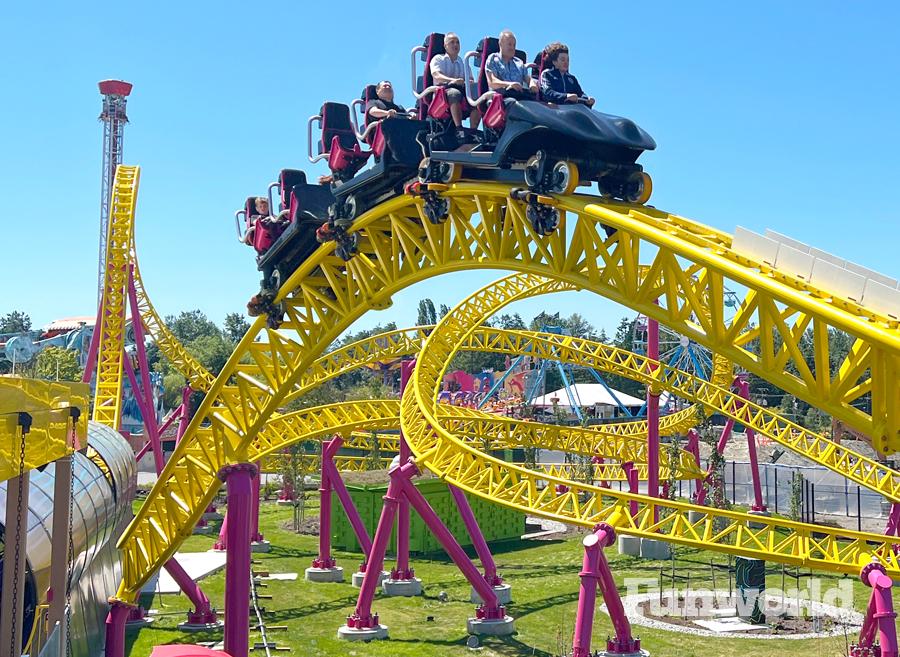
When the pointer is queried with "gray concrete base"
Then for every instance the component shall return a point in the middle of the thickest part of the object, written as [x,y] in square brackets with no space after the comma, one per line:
[639,653]
[406,588]
[260,546]
[335,574]
[201,627]
[202,531]
[140,622]
[503,627]
[284,502]
[356,579]
[758,525]
[654,549]
[630,545]
[503,593]
[212,515]
[695,516]
[352,634]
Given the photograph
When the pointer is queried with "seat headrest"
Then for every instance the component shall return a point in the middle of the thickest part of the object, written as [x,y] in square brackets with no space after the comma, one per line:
[490,45]
[369,93]
[250,205]
[434,45]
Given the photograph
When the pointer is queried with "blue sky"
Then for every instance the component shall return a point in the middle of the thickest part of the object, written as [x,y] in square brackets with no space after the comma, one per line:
[779,115]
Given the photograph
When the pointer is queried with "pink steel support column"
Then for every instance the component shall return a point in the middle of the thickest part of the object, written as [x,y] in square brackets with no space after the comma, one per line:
[238,479]
[481,546]
[893,521]
[403,571]
[203,613]
[362,617]
[631,475]
[595,573]
[115,627]
[880,613]
[222,543]
[184,418]
[325,560]
[744,387]
[652,416]
[693,448]
[490,609]
[255,535]
[149,425]
[145,391]
[94,347]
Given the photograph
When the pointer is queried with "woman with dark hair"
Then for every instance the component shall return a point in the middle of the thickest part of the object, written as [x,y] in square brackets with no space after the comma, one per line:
[557,84]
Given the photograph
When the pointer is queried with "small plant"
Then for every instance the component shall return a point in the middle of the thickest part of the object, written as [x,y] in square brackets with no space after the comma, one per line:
[796,501]
[373,462]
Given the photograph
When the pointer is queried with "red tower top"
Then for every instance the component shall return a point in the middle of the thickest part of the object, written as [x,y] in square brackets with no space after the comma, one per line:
[114,87]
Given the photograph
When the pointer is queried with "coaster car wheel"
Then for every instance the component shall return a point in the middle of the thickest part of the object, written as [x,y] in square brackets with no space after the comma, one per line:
[543,218]
[346,212]
[638,188]
[534,170]
[437,210]
[565,178]
[347,246]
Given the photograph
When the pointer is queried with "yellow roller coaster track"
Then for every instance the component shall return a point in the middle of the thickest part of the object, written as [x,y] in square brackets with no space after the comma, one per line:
[111,347]
[487,432]
[278,463]
[683,286]
[453,459]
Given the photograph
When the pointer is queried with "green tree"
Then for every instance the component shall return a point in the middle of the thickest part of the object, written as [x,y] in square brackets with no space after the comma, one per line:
[190,325]
[512,322]
[235,326]
[426,315]
[15,322]
[444,309]
[58,364]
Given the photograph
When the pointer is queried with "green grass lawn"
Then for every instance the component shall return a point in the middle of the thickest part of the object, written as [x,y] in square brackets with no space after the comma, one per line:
[544,579]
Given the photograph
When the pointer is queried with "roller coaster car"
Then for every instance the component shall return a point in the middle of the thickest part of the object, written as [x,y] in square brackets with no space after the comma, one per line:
[307,208]
[393,145]
[551,148]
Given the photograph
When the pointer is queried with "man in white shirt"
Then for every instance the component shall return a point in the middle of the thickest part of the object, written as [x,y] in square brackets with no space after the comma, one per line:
[448,70]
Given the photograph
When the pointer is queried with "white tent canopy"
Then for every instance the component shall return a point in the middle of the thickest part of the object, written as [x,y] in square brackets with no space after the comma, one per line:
[588,394]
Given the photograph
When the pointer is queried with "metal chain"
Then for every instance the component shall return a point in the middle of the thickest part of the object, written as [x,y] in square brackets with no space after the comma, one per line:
[70,560]
[13,649]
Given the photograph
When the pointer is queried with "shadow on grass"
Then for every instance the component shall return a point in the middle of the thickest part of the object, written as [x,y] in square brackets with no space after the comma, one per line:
[520,610]
[501,645]
[280,552]
[274,615]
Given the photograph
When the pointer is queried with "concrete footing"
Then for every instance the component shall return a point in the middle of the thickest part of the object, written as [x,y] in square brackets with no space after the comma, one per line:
[494,627]
[284,502]
[348,633]
[406,588]
[606,653]
[260,546]
[201,627]
[695,516]
[212,515]
[655,549]
[502,591]
[335,574]
[202,531]
[630,545]
[758,525]
[356,579]
[319,575]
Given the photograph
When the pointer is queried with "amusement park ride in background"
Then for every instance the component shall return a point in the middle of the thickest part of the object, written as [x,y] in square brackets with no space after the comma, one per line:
[672,270]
